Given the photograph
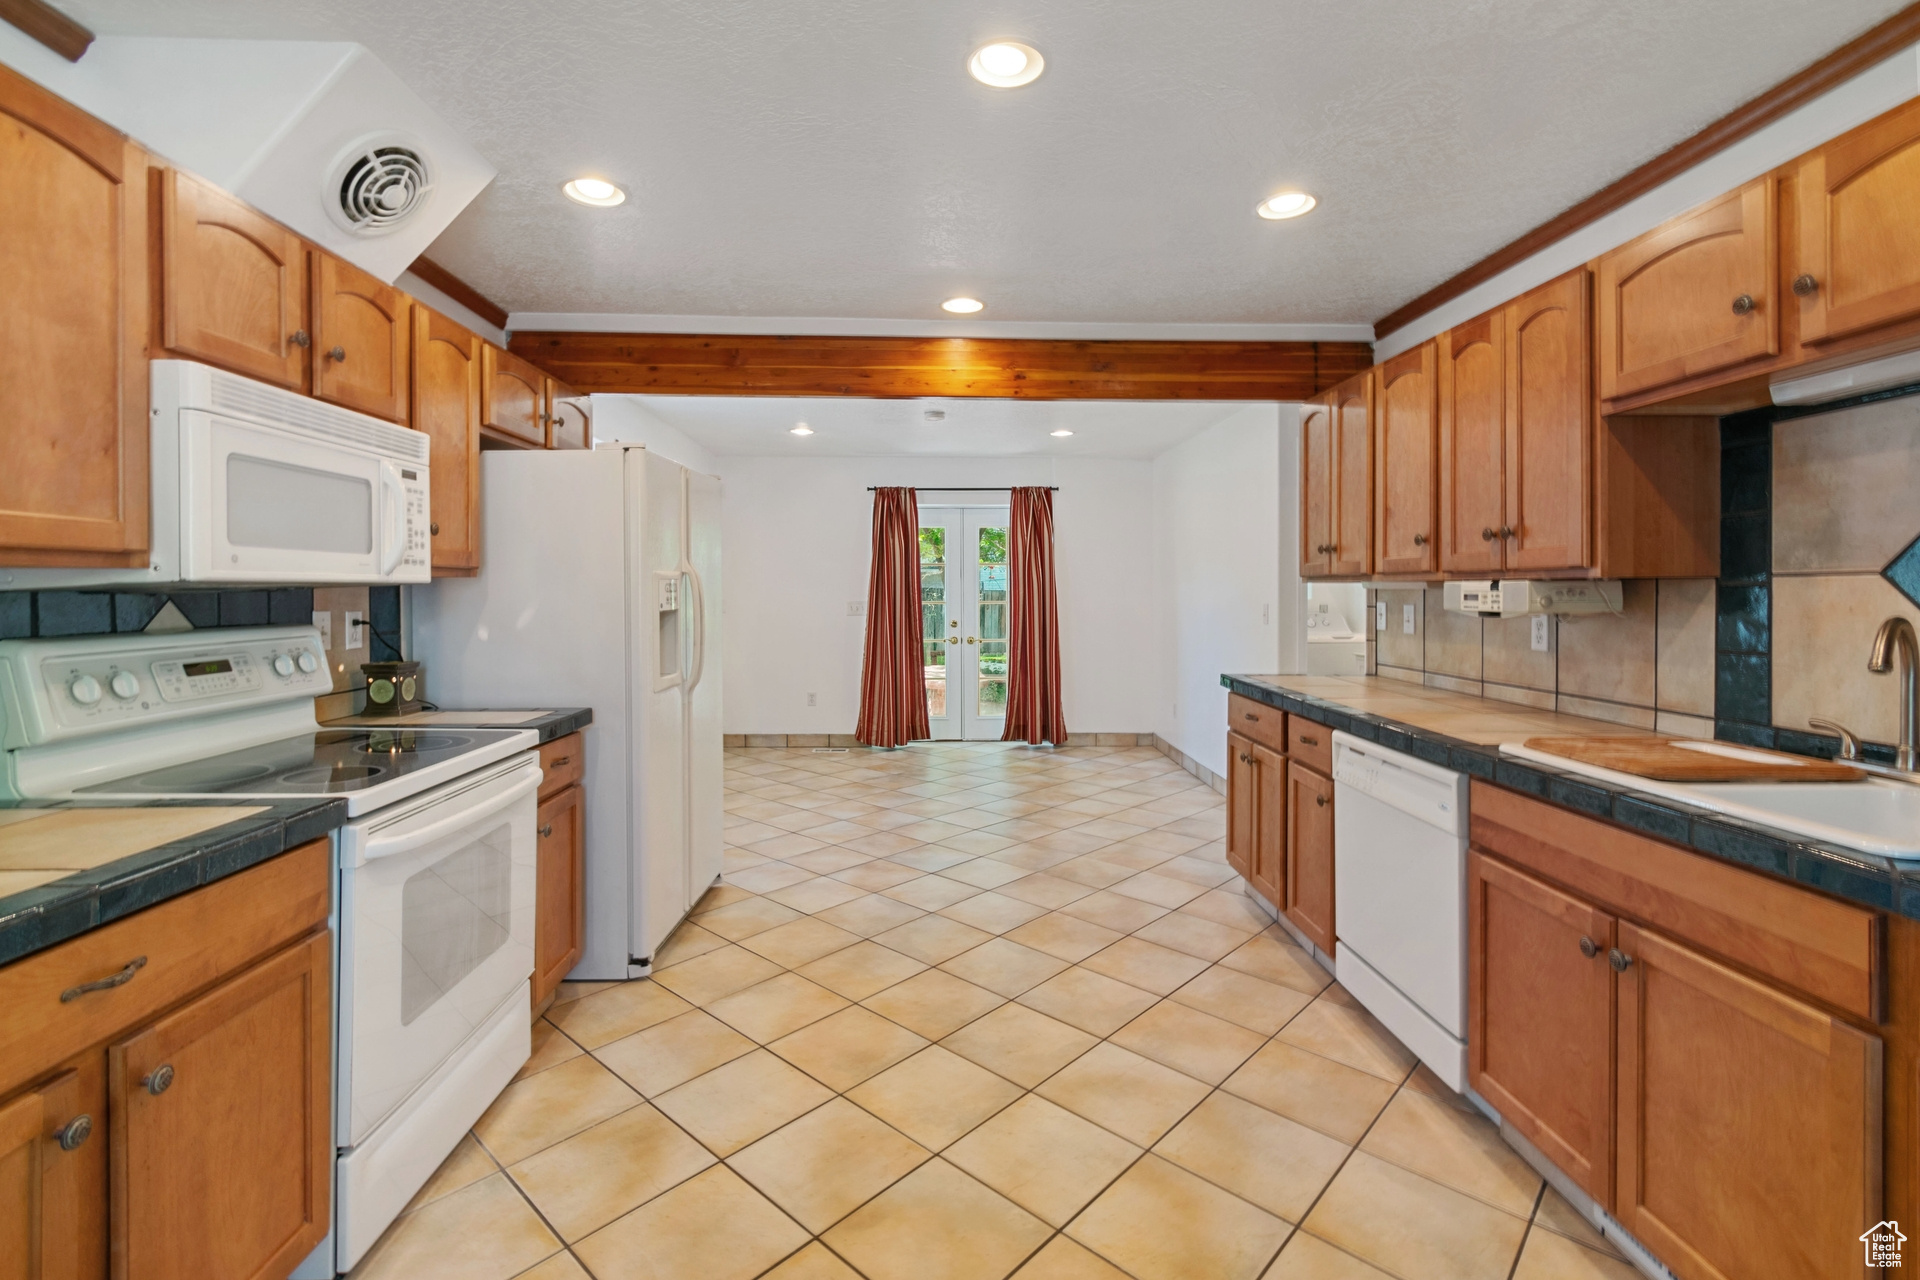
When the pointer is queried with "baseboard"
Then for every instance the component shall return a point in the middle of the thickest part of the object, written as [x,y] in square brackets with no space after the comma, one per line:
[802,741]
[1188,763]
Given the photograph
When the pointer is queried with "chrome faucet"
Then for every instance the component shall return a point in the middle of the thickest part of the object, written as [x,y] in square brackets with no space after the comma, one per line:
[1896,635]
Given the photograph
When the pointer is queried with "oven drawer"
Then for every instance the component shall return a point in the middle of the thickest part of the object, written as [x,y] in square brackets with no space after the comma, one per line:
[564,761]
[1258,721]
[170,951]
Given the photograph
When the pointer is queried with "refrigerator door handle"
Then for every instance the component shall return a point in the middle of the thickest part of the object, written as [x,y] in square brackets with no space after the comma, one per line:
[697,660]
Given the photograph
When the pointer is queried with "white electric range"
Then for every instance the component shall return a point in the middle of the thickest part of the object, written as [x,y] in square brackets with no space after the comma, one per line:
[433,910]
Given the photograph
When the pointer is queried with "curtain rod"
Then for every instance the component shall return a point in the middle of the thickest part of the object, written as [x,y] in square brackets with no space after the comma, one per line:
[964,488]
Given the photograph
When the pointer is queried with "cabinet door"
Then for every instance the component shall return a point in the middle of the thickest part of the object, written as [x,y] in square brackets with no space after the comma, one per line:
[233,284]
[512,398]
[222,1132]
[1472,361]
[569,419]
[1748,1131]
[1309,902]
[1859,251]
[560,898]
[1549,465]
[446,405]
[73,324]
[1692,297]
[360,340]
[1352,516]
[1269,852]
[1540,1017]
[53,1178]
[1406,444]
[1316,488]
[1243,804]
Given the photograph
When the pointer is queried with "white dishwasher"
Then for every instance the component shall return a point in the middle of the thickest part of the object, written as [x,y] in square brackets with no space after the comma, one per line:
[1400,889]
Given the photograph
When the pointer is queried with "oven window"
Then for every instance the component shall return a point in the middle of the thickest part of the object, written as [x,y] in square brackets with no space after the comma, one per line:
[273,504]
[453,915]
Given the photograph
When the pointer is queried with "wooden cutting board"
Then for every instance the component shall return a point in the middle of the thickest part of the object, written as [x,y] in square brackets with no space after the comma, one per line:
[1659,759]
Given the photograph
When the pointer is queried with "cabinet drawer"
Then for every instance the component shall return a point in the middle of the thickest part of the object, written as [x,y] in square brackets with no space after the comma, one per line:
[1310,744]
[1795,937]
[563,762]
[183,945]
[1258,721]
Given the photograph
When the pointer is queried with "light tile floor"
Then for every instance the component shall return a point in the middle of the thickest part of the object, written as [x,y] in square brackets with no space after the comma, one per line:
[963,1012]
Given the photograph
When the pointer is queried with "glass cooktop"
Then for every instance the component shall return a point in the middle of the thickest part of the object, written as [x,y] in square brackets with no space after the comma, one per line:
[332,762]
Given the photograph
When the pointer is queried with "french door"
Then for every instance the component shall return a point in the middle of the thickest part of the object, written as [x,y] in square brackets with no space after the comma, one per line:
[963,620]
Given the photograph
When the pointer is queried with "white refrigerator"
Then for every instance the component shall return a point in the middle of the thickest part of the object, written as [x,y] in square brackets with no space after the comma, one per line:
[600,587]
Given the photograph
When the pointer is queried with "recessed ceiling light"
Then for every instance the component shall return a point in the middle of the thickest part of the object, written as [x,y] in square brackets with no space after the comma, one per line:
[800,429]
[1288,204]
[1006,64]
[597,192]
[963,306]
[1061,432]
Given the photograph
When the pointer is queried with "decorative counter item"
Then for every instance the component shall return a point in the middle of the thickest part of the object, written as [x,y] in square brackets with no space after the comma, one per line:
[393,688]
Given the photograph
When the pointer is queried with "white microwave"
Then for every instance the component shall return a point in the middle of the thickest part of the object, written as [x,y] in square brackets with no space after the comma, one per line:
[253,483]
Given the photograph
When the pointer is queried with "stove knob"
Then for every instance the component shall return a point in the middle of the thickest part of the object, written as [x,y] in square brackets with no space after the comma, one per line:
[283,665]
[125,685]
[308,663]
[85,690]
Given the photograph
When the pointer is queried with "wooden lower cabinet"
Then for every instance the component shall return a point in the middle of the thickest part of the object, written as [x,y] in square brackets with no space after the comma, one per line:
[1256,816]
[560,900]
[53,1177]
[1309,875]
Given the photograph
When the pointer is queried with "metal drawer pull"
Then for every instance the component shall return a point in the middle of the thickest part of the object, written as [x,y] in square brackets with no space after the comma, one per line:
[1619,960]
[1805,286]
[119,979]
[1249,715]
[1743,305]
[546,831]
[74,1132]
[1588,947]
[159,1080]
[1312,742]
[561,762]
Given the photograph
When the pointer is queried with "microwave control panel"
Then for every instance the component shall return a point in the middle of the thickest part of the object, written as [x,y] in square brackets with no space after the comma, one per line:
[416,527]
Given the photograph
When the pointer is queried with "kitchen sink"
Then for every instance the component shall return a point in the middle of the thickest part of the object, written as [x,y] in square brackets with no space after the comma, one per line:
[1875,816]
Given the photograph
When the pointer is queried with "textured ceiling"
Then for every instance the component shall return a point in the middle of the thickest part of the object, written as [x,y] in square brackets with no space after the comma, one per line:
[833,159]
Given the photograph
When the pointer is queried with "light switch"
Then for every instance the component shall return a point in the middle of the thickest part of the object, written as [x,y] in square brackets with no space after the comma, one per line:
[355,632]
[1380,615]
[1406,619]
[1540,632]
[856,608]
[323,619]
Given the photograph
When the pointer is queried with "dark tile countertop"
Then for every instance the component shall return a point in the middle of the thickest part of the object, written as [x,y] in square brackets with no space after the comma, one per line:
[549,724]
[53,911]
[1866,878]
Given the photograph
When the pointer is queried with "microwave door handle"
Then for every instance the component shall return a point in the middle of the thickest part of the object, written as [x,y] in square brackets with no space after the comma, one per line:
[394,500]
[387,846]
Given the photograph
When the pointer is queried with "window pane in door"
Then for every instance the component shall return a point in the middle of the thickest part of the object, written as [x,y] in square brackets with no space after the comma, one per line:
[992,695]
[933,617]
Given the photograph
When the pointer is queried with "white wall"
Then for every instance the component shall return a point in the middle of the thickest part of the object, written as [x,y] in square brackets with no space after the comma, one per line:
[625,418]
[797,539]
[1225,522]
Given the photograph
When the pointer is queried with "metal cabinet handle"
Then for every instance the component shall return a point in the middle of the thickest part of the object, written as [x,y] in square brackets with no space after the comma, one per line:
[546,830]
[300,338]
[560,762]
[74,1132]
[1588,947]
[1312,742]
[159,1080]
[1251,716]
[1743,305]
[1321,801]
[119,979]
[1619,959]
[1419,539]
[1805,286]
[1488,535]
[339,354]
[1507,531]
[434,528]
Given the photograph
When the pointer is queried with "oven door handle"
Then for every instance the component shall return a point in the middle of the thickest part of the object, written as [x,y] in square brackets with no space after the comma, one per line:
[393,496]
[387,846]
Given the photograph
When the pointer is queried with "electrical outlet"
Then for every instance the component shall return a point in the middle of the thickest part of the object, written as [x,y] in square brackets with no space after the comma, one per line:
[355,629]
[1540,621]
[1380,615]
[323,619]
[813,699]
[1406,619]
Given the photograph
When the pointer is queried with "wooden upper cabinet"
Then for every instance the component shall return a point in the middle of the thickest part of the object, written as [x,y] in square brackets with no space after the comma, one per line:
[1748,1134]
[446,405]
[360,340]
[53,1178]
[73,326]
[1316,488]
[1472,377]
[513,398]
[1692,297]
[1352,487]
[233,284]
[569,417]
[1549,436]
[222,1132]
[1405,462]
[1540,1017]
[1309,849]
[1858,205]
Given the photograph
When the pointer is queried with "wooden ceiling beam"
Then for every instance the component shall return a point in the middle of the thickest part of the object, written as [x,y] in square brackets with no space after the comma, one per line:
[1849,60]
[1001,368]
[456,288]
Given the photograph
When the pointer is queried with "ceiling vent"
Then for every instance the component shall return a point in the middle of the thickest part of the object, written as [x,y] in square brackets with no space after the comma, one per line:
[377,183]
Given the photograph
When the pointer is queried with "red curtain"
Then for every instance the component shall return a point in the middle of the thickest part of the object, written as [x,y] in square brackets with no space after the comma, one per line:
[1033,632]
[893,689]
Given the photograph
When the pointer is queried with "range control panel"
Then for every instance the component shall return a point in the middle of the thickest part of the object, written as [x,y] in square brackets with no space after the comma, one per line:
[56,689]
